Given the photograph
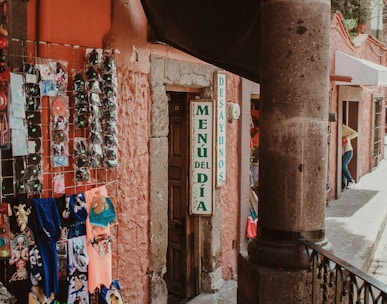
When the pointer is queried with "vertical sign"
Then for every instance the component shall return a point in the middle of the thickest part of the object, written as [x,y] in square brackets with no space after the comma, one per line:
[221,124]
[202,118]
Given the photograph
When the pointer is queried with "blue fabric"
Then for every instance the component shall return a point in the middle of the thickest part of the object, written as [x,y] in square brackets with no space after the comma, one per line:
[47,233]
[104,218]
[114,292]
[77,206]
[346,175]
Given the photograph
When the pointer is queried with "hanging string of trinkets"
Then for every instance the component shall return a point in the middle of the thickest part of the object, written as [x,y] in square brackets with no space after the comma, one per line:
[95,95]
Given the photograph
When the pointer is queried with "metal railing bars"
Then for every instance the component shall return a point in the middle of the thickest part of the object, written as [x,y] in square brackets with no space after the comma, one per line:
[336,281]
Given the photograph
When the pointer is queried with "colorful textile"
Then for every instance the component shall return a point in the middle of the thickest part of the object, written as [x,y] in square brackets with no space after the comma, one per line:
[112,295]
[47,233]
[21,240]
[78,211]
[98,244]
[78,261]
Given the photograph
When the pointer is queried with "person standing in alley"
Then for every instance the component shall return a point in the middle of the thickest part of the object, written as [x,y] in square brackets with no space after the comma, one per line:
[347,182]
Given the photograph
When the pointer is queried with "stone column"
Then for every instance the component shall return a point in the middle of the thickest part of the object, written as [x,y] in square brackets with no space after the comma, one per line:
[293,150]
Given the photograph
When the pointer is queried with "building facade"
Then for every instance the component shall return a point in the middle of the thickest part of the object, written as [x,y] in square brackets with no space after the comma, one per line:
[160,242]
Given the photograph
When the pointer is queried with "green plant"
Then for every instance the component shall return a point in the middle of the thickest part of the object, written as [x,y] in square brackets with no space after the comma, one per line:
[359,10]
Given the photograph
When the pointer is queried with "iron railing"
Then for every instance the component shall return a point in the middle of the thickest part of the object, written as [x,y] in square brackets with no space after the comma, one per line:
[336,281]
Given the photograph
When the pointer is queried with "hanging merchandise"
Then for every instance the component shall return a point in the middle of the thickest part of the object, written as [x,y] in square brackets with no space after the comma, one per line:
[22,242]
[47,232]
[112,294]
[78,276]
[78,211]
[4,131]
[102,211]
[109,120]
[32,184]
[98,244]
[81,159]
[53,78]
[5,248]
[59,131]
[5,296]
[81,102]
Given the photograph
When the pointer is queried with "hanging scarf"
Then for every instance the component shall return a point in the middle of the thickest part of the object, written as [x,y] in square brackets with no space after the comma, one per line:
[112,295]
[47,233]
[102,211]
[78,211]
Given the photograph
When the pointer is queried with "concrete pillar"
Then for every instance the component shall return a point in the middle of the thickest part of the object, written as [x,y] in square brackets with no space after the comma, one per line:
[293,150]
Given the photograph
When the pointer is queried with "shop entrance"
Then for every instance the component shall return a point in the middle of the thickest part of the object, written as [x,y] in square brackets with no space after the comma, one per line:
[182,254]
[351,119]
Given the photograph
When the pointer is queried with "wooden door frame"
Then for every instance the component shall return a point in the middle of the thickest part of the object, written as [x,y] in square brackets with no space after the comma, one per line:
[192,280]
[355,95]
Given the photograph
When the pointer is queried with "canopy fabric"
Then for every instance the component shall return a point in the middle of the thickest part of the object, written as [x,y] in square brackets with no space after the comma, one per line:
[363,72]
[221,32]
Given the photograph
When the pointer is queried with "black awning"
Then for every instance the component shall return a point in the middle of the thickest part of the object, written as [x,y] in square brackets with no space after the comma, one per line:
[224,33]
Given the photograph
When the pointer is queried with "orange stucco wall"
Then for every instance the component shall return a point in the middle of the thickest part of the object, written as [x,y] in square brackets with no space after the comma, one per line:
[79,22]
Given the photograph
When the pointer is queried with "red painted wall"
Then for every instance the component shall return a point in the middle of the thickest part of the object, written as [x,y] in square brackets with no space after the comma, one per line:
[79,22]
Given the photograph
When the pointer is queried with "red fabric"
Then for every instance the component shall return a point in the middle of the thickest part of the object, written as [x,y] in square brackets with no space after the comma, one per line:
[251,227]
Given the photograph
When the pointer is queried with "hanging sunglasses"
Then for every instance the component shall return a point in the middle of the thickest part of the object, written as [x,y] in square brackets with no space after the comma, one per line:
[109,104]
[110,153]
[108,79]
[32,89]
[81,122]
[81,98]
[79,82]
[94,57]
[109,116]
[20,167]
[20,186]
[108,65]
[34,186]
[108,91]
[7,167]
[81,109]
[7,186]
[110,140]
[34,159]
[91,74]
[110,128]
[34,171]
[33,117]
[34,131]
[32,103]
[82,174]
[80,148]
[82,161]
